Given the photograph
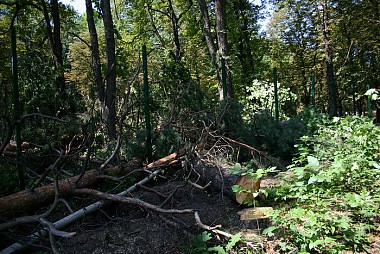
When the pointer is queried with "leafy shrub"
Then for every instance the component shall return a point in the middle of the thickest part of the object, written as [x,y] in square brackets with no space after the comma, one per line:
[260,97]
[331,192]
[277,138]
[202,244]
[167,139]
[9,179]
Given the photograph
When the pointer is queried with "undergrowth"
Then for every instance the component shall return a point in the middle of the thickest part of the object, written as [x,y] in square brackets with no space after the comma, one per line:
[329,197]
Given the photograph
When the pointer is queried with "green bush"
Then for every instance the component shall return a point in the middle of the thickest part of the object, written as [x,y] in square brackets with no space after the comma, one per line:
[277,138]
[9,179]
[330,194]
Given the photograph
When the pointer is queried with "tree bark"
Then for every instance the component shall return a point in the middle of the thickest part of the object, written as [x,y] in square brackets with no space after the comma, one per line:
[209,39]
[24,201]
[245,51]
[110,92]
[221,50]
[221,34]
[55,42]
[95,52]
[330,79]
[174,20]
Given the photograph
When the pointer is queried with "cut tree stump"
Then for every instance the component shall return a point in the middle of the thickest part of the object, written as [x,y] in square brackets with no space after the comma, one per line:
[255,213]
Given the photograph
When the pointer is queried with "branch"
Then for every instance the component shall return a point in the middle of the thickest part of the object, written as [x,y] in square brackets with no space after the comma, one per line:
[55,231]
[62,223]
[185,11]
[198,186]
[155,30]
[80,38]
[48,170]
[220,232]
[34,218]
[115,151]
[255,150]
[134,201]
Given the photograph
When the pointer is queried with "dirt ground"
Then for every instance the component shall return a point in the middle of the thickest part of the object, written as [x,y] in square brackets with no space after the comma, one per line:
[126,228]
[122,228]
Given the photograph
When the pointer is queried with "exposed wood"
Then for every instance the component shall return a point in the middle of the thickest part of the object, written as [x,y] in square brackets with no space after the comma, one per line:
[166,159]
[252,185]
[255,213]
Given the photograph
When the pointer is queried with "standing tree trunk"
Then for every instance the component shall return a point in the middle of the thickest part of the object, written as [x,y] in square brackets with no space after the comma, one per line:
[109,112]
[221,34]
[55,43]
[95,52]
[245,51]
[174,20]
[330,79]
[220,51]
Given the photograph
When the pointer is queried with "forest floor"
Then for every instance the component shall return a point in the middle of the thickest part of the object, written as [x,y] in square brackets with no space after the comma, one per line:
[123,228]
[126,228]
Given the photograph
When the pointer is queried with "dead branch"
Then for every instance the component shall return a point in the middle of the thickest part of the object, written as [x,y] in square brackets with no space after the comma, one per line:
[54,231]
[153,190]
[47,171]
[28,200]
[257,151]
[167,159]
[220,232]
[134,201]
[64,222]
[115,151]
[67,187]
[35,218]
[171,194]
[198,186]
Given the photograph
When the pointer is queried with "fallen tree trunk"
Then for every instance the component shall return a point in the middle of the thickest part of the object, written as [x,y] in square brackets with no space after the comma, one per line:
[64,222]
[26,201]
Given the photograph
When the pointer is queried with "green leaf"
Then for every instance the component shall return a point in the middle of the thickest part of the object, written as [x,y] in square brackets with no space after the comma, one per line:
[202,238]
[237,169]
[236,188]
[234,239]
[312,161]
[312,179]
[269,231]
[314,244]
[218,249]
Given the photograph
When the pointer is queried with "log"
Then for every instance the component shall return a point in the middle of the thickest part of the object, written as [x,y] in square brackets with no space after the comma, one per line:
[64,222]
[27,201]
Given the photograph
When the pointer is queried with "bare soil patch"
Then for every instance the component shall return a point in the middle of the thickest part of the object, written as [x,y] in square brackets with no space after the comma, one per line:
[126,228]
